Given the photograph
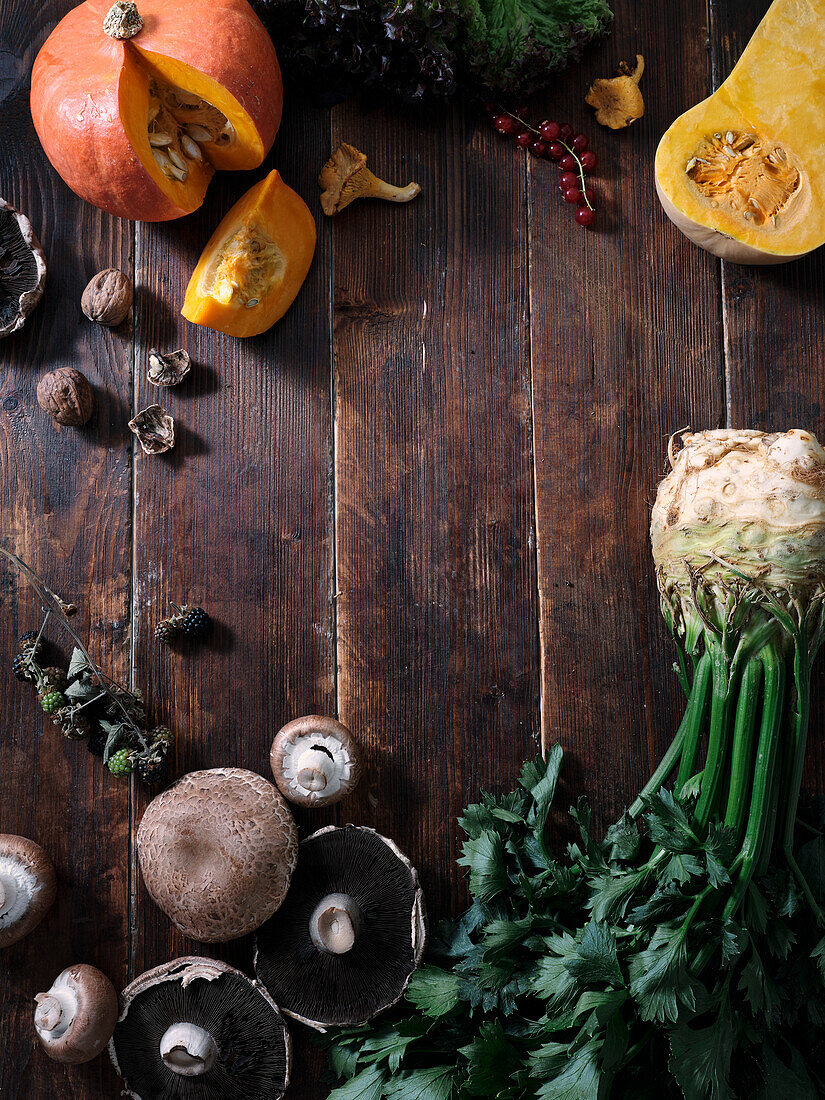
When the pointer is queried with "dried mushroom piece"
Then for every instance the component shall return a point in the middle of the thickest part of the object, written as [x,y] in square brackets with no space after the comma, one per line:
[345,178]
[350,933]
[169,369]
[198,1028]
[22,269]
[618,101]
[155,429]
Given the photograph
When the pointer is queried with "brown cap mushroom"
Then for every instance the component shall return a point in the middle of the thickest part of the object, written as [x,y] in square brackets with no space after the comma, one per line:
[198,1028]
[345,178]
[346,941]
[315,761]
[22,269]
[28,886]
[75,1019]
[618,101]
[217,850]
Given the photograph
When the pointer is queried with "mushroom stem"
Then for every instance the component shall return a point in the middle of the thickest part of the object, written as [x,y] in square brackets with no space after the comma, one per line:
[333,926]
[188,1050]
[3,896]
[54,1013]
[380,189]
[314,768]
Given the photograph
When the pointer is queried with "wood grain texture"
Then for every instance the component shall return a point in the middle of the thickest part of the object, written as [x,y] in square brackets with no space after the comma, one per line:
[774,337]
[437,623]
[64,507]
[626,349]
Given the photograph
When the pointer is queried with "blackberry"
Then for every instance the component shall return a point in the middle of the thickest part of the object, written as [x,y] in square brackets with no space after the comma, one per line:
[166,630]
[196,624]
[120,762]
[152,769]
[54,678]
[21,667]
[28,645]
[52,701]
[75,727]
[97,741]
[161,736]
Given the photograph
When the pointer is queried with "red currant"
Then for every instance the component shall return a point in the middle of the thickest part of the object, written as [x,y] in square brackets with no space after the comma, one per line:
[568,162]
[579,143]
[589,160]
[567,180]
[538,148]
[572,194]
[585,216]
[550,131]
[524,138]
[555,150]
[565,131]
[504,124]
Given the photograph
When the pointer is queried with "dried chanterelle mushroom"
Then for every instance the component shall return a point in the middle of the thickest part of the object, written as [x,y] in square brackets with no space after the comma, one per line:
[346,941]
[217,851]
[28,886]
[75,1019]
[155,430]
[618,101]
[315,761]
[108,297]
[198,1028]
[345,178]
[168,369]
[65,394]
[22,269]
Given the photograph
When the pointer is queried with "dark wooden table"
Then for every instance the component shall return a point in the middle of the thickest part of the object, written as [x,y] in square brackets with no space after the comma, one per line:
[420,502]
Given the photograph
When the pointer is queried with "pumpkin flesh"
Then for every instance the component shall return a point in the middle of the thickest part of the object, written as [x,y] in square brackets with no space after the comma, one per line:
[743,172]
[92,102]
[255,262]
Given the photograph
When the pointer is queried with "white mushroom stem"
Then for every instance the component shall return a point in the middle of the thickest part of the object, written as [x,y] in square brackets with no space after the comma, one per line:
[314,768]
[3,896]
[55,1012]
[8,894]
[333,926]
[188,1050]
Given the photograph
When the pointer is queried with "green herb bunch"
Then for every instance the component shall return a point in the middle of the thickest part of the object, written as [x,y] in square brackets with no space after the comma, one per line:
[567,979]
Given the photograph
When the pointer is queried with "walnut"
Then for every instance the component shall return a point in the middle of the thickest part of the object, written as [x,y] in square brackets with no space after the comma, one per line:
[65,394]
[108,297]
[155,429]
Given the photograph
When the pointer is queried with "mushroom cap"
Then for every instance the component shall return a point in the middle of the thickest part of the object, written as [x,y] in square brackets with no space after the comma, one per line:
[330,738]
[253,1056]
[90,1000]
[22,269]
[347,988]
[217,850]
[29,887]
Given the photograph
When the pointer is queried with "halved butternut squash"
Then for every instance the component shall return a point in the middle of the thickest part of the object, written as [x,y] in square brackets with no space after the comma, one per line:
[255,263]
[743,172]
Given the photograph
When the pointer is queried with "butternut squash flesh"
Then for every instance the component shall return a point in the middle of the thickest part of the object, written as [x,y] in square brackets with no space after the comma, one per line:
[743,172]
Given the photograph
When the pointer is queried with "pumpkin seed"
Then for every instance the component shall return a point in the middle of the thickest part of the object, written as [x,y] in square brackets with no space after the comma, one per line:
[163,161]
[190,147]
[176,158]
[178,173]
[160,140]
[252,302]
[198,133]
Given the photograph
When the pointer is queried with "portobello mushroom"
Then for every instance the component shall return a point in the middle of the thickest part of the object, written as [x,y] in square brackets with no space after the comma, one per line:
[22,269]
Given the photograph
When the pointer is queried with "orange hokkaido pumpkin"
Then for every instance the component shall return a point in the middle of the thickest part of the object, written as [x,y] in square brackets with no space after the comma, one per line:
[255,262]
[137,125]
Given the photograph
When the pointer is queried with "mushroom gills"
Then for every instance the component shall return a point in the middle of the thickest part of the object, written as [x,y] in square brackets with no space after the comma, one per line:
[22,269]
[17,888]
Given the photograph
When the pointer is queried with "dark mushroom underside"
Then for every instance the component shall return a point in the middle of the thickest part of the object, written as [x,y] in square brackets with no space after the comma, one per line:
[18,269]
[251,1041]
[331,989]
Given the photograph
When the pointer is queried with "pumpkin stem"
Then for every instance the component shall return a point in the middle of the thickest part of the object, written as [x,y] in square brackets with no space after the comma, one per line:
[123,20]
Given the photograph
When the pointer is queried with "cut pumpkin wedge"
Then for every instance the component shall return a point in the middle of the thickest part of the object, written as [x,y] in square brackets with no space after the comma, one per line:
[255,263]
[742,174]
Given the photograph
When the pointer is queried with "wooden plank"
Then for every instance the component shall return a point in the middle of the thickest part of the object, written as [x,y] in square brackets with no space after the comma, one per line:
[64,507]
[237,518]
[626,349]
[437,643]
[774,336]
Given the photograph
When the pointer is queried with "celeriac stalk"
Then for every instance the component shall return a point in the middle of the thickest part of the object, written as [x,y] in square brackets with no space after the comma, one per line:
[738,535]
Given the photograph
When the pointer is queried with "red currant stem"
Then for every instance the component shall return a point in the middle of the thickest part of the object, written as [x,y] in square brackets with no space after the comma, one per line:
[571,151]
[52,604]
